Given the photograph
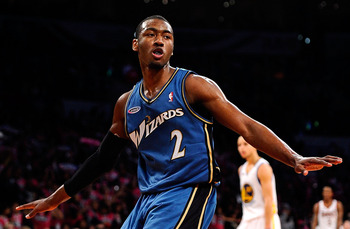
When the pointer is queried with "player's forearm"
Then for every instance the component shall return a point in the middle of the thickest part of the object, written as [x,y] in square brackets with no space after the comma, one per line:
[313,223]
[339,223]
[268,213]
[268,142]
[340,209]
[98,163]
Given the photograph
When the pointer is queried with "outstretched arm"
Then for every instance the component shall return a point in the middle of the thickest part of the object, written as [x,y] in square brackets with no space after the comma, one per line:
[98,163]
[203,91]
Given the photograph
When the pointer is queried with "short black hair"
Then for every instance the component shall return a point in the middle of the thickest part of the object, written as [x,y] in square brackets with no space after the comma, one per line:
[138,28]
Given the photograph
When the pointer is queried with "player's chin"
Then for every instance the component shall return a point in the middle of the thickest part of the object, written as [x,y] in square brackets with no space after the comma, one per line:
[156,65]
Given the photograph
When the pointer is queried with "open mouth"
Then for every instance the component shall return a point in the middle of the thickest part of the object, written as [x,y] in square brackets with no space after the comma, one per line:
[157,53]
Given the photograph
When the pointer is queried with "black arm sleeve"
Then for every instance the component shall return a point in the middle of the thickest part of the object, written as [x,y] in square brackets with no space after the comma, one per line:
[98,163]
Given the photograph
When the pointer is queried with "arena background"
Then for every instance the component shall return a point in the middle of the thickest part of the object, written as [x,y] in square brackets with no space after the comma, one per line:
[64,64]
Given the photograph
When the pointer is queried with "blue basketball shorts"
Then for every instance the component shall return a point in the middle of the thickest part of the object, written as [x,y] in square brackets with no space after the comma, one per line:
[177,208]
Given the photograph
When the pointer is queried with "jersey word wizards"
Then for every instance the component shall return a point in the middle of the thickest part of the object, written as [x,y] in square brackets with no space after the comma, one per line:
[174,143]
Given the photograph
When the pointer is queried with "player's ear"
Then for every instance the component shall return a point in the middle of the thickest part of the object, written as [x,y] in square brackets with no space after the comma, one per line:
[135,45]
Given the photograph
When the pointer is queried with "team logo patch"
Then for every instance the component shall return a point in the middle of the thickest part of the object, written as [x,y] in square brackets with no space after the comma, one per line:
[171,96]
[247,193]
[134,110]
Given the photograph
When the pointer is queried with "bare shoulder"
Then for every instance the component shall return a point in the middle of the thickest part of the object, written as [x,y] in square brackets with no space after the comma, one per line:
[119,116]
[201,88]
[265,170]
[193,76]
[339,204]
[124,97]
[121,102]
[199,81]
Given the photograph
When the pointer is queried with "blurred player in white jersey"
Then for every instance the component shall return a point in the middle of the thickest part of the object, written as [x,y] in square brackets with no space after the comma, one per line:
[328,212]
[258,190]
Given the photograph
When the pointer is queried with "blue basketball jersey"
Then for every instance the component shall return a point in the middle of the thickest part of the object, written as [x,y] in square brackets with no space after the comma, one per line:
[175,143]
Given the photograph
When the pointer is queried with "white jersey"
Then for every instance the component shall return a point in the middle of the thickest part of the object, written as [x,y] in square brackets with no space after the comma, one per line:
[327,217]
[251,192]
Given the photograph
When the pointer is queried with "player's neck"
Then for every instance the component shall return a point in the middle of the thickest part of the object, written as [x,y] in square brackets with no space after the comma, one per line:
[327,201]
[154,79]
[253,159]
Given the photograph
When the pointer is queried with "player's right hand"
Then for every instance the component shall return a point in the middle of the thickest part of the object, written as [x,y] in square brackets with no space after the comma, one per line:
[306,164]
[37,206]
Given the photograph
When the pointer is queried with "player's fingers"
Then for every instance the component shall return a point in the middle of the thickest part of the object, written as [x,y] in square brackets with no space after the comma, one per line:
[301,170]
[305,172]
[330,156]
[328,164]
[30,205]
[31,214]
[318,162]
[333,159]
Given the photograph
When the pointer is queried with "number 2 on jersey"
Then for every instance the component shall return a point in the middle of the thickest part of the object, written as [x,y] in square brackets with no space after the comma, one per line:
[177,153]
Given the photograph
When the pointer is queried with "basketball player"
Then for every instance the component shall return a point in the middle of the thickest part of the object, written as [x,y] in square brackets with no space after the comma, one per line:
[168,115]
[258,190]
[328,212]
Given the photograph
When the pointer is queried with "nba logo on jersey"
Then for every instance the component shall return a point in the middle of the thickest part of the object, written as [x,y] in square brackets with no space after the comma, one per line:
[171,96]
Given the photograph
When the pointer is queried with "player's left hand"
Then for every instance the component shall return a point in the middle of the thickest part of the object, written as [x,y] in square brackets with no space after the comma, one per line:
[305,164]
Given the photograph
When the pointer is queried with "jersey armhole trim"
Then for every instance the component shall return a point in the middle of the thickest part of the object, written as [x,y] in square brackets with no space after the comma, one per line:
[195,114]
